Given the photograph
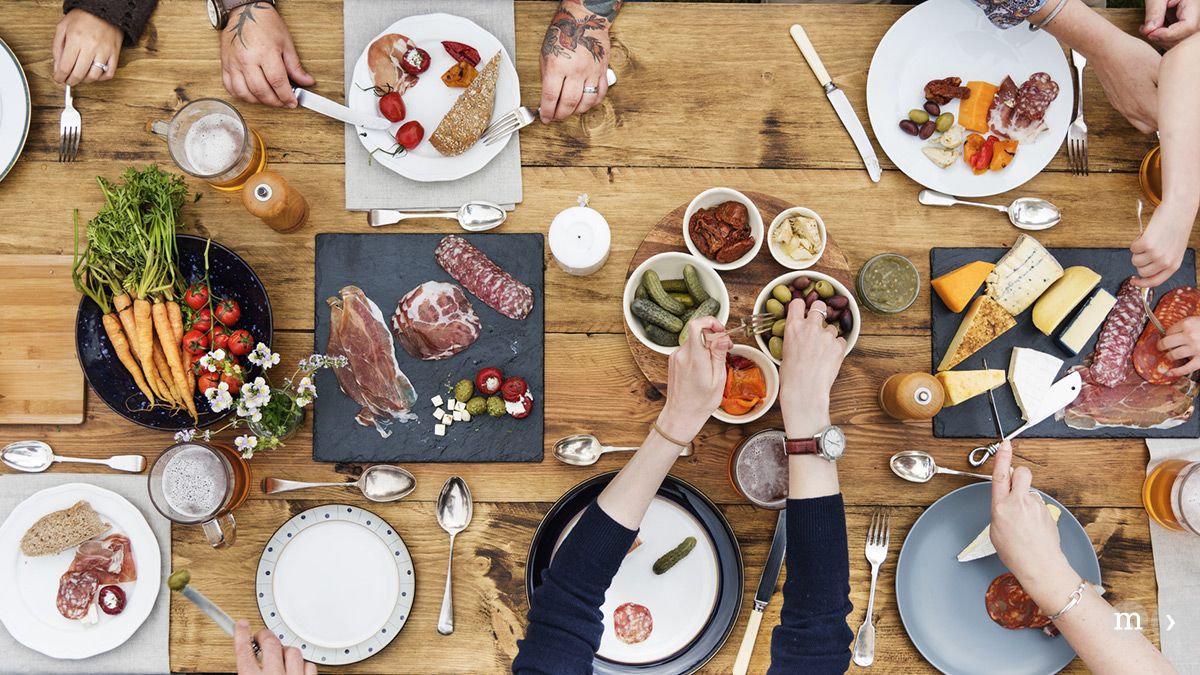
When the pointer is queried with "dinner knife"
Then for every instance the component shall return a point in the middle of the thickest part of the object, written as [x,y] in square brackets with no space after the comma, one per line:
[841,105]
[331,108]
[766,588]
[178,582]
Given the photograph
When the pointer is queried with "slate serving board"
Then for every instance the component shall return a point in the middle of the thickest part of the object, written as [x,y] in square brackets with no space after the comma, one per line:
[973,418]
[386,267]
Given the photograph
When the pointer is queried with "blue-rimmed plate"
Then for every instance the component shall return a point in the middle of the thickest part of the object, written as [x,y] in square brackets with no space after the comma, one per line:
[694,605]
[942,600]
[309,598]
[14,109]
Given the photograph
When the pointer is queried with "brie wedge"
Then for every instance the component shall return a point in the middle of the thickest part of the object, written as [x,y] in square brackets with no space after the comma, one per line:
[1030,373]
[982,546]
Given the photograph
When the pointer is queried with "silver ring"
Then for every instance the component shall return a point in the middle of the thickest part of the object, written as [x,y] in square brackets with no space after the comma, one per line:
[102,66]
[589,89]
[822,312]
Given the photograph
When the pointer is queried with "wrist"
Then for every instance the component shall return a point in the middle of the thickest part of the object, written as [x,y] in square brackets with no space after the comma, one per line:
[678,426]
[807,422]
[1050,584]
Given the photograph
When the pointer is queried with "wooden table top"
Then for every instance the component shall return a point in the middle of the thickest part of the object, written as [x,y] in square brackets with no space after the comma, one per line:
[747,114]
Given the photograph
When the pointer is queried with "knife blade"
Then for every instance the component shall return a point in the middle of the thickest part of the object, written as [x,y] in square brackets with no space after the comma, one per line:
[331,108]
[841,105]
[766,589]
[1060,395]
[995,411]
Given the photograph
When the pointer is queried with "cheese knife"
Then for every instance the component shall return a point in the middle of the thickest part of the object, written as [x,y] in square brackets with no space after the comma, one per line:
[1060,395]
[766,589]
[331,108]
[841,105]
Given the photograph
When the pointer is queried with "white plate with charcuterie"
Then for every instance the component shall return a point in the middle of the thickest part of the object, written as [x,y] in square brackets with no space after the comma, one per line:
[440,79]
[82,570]
[944,82]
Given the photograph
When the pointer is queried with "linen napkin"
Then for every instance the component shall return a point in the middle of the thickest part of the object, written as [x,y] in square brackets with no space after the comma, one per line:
[371,186]
[1177,568]
[146,651]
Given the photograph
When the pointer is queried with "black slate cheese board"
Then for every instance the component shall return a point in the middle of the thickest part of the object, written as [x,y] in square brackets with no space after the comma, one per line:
[386,267]
[973,418]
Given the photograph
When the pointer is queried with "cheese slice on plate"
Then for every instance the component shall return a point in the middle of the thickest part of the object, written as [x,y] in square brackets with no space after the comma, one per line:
[984,321]
[961,385]
[1055,304]
[1085,324]
[1030,373]
[1022,275]
[982,546]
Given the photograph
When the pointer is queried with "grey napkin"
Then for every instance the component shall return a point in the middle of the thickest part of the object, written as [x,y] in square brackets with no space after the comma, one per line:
[1177,567]
[147,650]
[371,186]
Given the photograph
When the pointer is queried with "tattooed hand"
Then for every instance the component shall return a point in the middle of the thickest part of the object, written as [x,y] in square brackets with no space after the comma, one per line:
[258,57]
[574,56]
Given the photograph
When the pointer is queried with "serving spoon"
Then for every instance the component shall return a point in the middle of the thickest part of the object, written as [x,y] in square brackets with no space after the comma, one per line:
[918,466]
[379,483]
[1026,213]
[475,216]
[36,456]
[585,450]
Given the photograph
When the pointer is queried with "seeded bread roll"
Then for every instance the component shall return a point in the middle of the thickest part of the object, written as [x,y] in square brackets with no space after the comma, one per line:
[56,532]
[468,118]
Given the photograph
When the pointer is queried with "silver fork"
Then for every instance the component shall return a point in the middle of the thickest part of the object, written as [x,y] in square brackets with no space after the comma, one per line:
[878,537]
[756,324]
[518,119]
[1077,139]
[70,129]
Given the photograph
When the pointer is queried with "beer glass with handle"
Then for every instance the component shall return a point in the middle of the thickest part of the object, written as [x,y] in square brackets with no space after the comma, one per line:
[209,139]
[193,483]
[1171,495]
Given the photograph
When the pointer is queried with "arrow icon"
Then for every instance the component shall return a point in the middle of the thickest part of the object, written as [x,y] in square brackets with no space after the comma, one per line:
[1170,622]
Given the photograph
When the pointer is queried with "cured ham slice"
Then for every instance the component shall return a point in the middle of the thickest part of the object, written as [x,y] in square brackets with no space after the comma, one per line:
[110,560]
[435,321]
[1019,112]
[372,376]
[383,60]
[1133,403]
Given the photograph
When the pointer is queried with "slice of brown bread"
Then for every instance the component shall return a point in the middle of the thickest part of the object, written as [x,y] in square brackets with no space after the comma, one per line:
[56,532]
[469,117]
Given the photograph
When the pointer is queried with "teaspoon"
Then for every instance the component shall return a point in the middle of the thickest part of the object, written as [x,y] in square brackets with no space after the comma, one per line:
[379,483]
[453,514]
[36,456]
[1026,213]
[474,216]
[585,450]
[919,467]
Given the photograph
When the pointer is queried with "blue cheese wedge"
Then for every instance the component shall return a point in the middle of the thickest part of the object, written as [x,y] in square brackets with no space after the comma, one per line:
[1022,275]
[1030,374]
[982,546]
[1085,324]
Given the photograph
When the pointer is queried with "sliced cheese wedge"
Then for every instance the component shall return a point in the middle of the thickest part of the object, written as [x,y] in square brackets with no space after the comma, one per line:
[984,321]
[961,385]
[1085,324]
[1022,275]
[1030,373]
[958,286]
[1056,304]
[982,546]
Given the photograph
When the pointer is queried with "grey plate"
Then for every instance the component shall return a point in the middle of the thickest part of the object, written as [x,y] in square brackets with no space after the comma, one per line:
[942,600]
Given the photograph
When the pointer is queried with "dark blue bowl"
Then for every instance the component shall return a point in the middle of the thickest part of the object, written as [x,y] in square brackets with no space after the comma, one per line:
[229,277]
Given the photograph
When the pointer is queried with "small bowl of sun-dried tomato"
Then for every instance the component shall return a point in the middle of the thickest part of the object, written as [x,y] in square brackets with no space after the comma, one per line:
[724,227]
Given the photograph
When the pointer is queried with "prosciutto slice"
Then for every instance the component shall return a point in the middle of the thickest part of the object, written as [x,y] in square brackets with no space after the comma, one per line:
[383,59]
[110,559]
[435,321]
[1133,403]
[372,376]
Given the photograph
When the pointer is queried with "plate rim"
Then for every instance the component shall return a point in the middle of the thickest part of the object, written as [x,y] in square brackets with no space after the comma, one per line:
[20,70]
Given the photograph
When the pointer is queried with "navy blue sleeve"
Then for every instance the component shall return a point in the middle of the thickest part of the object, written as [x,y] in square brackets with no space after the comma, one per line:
[130,16]
[812,636]
[565,623]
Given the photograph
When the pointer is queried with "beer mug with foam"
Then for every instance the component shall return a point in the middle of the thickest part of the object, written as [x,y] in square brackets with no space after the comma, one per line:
[193,483]
[209,139]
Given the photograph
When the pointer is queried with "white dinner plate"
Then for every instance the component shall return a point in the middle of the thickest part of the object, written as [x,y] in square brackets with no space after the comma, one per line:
[14,109]
[336,582]
[953,38]
[29,592]
[430,99]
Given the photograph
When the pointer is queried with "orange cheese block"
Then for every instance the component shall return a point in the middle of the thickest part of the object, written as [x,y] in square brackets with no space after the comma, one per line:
[973,111]
[957,287]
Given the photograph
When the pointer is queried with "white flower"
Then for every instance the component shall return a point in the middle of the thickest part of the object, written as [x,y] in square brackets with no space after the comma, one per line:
[185,436]
[250,412]
[263,356]
[246,444]
[306,388]
[219,398]
[212,360]
[207,435]
[256,394]
[303,401]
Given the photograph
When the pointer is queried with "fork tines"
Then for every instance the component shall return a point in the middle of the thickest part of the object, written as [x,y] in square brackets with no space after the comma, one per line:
[68,144]
[880,533]
[757,324]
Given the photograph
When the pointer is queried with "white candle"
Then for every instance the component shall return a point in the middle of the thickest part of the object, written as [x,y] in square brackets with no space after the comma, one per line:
[580,240]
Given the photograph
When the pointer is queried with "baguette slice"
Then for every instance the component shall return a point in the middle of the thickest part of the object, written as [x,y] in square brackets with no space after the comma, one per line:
[56,532]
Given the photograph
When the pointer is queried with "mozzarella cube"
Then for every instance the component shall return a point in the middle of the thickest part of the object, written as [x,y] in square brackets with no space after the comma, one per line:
[458,415]
[460,406]
[436,401]
[439,430]
[466,416]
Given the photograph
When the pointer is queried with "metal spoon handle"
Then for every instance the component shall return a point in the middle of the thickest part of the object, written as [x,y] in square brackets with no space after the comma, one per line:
[381,217]
[273,485]
[615,448]
[963,473]
[130,463]
[935,198]
[445,624]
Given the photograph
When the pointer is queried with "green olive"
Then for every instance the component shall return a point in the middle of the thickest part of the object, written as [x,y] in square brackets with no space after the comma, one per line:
[775,307]
[944,122]
[776,347]
[777,329]
[824,290]
[812,286]
[918,116]
[782,293]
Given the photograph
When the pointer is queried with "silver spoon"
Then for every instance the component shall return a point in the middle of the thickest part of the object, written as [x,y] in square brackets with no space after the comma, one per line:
[379,483]
[453,514]
[36,456]
[585,450]
[473,216]
[1026,213]
[918,466]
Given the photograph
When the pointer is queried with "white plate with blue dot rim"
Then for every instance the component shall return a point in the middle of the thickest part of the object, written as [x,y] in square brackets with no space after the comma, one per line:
[309,597]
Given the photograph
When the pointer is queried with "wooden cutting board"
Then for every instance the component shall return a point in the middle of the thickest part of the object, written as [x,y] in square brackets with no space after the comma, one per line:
[40,378]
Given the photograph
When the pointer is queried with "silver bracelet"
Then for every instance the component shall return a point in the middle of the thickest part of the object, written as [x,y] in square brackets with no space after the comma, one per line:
[1053,13]
[1076,596]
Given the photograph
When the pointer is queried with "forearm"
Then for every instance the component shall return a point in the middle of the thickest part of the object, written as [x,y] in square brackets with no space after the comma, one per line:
[128,15]
[630,492]
[1179,135]
[1078,27]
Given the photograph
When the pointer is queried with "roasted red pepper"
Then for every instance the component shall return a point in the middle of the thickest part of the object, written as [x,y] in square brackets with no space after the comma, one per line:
[489,380]
[460,52]
[513,389]
[983,159]
[415,61]
[460,75]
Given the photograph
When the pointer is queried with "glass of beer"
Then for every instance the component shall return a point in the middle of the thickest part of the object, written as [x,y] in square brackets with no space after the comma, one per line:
[758,469]
[193,483]
[209,139]
[1171,495]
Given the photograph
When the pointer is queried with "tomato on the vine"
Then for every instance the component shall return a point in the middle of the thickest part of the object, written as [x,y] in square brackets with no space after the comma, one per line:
[196,295]
[195,342]
[241,342]
[410,134]
[220,337]
[228,312]
[203,320]
[233,379]
[391,106]
[208,380]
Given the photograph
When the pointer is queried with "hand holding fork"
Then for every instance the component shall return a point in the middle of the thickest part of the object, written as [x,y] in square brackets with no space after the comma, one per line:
[878,537]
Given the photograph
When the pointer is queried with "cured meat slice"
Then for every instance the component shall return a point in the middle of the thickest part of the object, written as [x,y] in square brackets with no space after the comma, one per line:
[1019,112]
[1010,606]
[1132,402]
[1148,359]
[483,278]
[75,593]
[435,321]
[110,560]
[383,59]
[632,623]
[372,376]
[1118,336]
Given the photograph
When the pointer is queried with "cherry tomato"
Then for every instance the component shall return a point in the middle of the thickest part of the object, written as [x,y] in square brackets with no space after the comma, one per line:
[228,312]
[111,600]
[391,106]
[207,381]
[513,389]
[489,380]
[415,61]
[233,379]
[220,337]
[241,342]
[195,342]
[196,295]
[203,320]
[194,364]
[410,134]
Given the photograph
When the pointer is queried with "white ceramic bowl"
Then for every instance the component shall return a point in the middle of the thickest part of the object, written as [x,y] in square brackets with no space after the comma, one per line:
[718,195]
[777,252]
[770,375]
[670,266]
[787,279]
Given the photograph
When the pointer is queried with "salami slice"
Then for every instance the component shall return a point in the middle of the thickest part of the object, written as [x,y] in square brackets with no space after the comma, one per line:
[1011,607]
[632,623]
[1151,362]
[483,278]
[75,593]
[1118,337]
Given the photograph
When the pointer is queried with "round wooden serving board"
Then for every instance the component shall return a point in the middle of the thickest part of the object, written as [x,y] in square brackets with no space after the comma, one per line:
[744,283]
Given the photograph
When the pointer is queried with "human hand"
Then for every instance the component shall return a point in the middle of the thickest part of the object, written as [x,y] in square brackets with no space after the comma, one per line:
[1158,252]
[258,57]
[81,40]
[1169,22]
[1023,531]
[1128,70]
[695,378]
[812,356]
[275,659]
[1182,343]
[574,56]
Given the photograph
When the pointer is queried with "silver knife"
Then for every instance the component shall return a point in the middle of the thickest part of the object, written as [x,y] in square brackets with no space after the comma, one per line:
[841,105]
[766,588]
[331,108]
[178,582]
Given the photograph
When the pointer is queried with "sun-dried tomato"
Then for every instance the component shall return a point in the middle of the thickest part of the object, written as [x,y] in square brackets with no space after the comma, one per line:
[460,52]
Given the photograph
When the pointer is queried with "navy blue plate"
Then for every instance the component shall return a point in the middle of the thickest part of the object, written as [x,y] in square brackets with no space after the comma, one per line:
[230,277]
[729,562]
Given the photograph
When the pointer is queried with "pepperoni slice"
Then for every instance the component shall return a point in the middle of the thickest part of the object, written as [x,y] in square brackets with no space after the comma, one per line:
[1148,359]
[1010,607]
[632,623]
[75,593]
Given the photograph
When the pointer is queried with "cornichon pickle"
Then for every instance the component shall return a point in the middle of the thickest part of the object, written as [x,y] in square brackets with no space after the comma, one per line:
[684,299]
[709,307]
[775,307]
[695,288]
[674,285]
[672,557]
[776,347]
[782,293]
[640,293]
[659,336]
[660,296]
[652,313]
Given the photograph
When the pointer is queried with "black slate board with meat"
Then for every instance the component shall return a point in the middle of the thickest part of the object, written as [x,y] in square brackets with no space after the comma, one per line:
[386,267]
[973,418]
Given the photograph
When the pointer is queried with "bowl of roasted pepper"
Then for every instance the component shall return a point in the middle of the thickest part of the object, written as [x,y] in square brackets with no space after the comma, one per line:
[751,386]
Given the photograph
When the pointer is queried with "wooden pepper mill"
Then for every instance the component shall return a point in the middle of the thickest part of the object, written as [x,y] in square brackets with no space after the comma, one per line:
[911,396]
[269,197]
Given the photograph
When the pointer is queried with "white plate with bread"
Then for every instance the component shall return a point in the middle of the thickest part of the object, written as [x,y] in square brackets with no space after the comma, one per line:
[38,543]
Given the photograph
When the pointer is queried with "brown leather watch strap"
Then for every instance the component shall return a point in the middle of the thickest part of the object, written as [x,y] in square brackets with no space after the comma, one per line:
[800,446]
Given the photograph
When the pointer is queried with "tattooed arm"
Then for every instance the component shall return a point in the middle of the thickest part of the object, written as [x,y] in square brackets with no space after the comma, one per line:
[574,56]
[258,57]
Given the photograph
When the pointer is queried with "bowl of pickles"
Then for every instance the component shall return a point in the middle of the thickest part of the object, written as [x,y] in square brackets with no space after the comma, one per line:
[808,287]
[668,290]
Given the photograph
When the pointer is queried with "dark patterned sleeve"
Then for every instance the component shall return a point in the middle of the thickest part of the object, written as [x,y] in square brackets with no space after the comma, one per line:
[128,15]
[1009,13]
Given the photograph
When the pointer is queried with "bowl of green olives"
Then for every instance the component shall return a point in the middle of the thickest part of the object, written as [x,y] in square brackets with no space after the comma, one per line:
[668,290]
[808,287]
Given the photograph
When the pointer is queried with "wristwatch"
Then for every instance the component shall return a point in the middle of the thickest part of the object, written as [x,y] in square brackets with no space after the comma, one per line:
[219,10]
[829,444]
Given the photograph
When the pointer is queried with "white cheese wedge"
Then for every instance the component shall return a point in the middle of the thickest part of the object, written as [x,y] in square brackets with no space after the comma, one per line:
[1022,275]
[982,546]
[439,430]
[1030,373]
[436,401]
[1089,319]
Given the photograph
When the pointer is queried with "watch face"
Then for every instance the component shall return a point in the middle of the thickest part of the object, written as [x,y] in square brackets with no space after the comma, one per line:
[214,13]
[833,443]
